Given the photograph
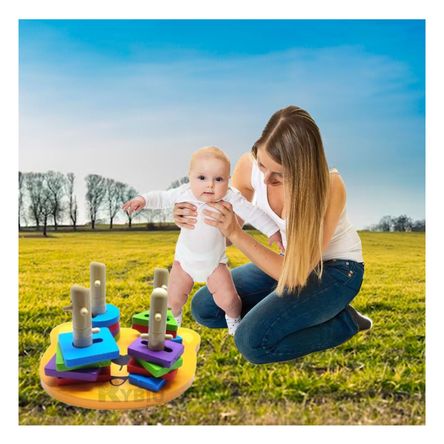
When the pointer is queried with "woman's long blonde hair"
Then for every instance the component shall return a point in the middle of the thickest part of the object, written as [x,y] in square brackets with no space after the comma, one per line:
[292,139]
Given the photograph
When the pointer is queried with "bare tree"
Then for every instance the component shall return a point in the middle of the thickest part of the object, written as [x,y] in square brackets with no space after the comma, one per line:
[419,225]
[72,200]
[402,223]
[34,186]
[95,195]
[114,198]
[46,204]
[153,214]
[385,224]
[21,178]
[56,183]
[41,204]
[128,193]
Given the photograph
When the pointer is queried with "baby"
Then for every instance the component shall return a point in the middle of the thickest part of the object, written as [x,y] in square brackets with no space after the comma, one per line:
[200,252]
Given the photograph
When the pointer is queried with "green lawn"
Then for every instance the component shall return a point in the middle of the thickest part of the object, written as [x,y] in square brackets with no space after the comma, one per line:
[377,377]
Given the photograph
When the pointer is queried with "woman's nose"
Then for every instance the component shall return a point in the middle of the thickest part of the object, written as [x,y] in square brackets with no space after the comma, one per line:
[267,176]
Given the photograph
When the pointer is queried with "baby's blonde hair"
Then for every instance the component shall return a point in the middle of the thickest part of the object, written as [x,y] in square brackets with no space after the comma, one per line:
[212,152]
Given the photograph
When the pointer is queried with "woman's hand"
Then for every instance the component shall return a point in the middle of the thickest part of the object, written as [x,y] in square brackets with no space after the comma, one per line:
[224,219]
[185,215]
[276,238]
[134,205]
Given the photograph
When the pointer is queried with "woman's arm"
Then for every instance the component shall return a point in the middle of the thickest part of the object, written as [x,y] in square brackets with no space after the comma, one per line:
[267,260]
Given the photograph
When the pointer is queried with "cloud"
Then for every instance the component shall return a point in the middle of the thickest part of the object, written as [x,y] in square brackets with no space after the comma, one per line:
[139,120]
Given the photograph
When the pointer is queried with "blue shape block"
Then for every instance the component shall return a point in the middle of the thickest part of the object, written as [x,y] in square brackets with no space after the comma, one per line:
[103,348]
[177,339]
[151,384]
[110,317]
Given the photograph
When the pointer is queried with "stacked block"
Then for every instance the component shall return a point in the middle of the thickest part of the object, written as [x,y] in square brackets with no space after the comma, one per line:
[141,321]
[110,319]
[71,365]
[151,369]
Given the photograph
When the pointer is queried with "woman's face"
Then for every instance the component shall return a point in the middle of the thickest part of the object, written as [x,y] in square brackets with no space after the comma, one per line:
[273,171]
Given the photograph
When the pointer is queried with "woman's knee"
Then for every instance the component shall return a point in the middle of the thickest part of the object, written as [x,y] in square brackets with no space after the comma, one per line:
[249,344]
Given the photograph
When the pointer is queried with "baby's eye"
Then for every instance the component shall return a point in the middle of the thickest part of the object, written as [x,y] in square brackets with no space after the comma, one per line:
[201,177]
[219,179]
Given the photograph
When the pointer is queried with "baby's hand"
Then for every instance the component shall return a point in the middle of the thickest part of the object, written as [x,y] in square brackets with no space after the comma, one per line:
[276,238]
[136,204]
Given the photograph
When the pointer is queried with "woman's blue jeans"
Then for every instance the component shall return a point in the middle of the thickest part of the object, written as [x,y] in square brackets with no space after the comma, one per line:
[279,328]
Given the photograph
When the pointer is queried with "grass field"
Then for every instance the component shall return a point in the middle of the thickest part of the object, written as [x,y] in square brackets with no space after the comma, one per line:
[377,377]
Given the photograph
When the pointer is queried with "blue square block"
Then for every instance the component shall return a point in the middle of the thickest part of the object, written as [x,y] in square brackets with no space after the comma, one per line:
[110,317]
[177,339]
[103,348]
[146,382]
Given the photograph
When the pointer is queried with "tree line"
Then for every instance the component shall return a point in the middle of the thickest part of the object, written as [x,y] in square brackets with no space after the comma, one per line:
[48,199]
[400,223]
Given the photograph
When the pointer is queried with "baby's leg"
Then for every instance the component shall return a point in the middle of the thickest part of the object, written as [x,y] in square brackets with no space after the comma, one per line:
[180,284]
[221,286]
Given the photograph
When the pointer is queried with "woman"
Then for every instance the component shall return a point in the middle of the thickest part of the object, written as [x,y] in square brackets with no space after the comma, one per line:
[297,303]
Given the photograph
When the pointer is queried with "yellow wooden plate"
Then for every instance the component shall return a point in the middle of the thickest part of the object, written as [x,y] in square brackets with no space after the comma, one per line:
[118,393]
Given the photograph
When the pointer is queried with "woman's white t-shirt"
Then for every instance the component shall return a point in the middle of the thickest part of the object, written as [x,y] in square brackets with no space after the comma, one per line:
[345,242]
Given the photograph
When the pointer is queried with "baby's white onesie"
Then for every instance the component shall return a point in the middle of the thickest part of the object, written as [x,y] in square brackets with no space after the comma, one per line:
[201,250]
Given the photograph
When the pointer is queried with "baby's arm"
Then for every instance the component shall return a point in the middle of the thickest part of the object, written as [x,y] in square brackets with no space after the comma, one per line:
[251,213]
[154,200]
[256,217]
[159,200]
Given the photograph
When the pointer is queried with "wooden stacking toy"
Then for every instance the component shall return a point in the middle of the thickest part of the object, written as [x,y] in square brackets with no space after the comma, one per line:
[84,366]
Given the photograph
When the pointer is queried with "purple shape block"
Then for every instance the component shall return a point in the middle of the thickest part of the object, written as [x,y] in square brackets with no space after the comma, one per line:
[87,374]
[165,358]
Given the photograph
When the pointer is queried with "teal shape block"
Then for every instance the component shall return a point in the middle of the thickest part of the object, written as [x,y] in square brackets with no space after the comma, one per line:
[110,317]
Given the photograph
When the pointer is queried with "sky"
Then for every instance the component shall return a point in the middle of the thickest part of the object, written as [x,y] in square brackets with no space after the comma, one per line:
[132,99]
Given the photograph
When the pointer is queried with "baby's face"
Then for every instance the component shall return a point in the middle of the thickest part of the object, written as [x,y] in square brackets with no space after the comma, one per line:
[209,179]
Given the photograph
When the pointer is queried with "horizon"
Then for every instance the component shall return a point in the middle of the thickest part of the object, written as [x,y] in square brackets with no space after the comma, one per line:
[139,93]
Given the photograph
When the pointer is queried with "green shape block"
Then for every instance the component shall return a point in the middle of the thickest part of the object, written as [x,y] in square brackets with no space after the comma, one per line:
[156,370]
[143,319]
[61,367]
